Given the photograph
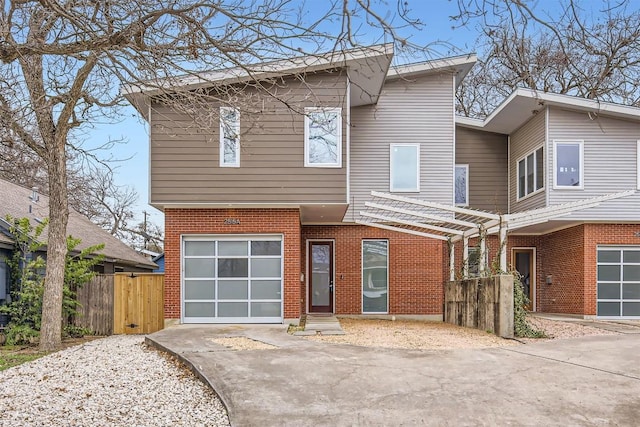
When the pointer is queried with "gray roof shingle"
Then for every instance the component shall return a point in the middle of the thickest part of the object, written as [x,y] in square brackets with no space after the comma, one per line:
[15,201]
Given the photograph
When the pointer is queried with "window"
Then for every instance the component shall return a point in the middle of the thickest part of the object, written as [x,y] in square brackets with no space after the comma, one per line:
[323,137]
[638,163]
[462,185]
[567,164]
[405,168]
[229,137]
[375,276]
[531,173]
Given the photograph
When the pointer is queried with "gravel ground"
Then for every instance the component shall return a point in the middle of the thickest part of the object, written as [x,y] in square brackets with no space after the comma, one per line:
[560,330]
[411,334]
[442,336]
[115,381]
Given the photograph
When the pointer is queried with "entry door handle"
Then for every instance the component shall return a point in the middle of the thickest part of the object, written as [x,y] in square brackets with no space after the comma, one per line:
[330,286]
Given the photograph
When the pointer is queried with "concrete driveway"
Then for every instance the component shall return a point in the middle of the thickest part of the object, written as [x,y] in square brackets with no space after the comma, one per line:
[585,381]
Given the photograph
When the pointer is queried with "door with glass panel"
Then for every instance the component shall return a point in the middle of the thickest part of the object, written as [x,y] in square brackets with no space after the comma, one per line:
[321,277]
[232,279]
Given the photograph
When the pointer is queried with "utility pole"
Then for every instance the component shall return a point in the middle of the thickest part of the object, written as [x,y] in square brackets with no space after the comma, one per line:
[145,235]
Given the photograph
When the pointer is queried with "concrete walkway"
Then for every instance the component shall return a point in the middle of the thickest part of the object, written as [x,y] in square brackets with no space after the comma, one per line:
[315,324]
[586,381]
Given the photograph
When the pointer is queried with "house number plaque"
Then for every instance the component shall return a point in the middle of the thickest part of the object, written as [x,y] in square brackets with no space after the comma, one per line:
[231,221]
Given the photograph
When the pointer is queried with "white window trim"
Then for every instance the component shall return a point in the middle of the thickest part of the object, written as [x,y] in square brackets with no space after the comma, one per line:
[308,164]
[535,176]
[235,164]
[557,142]
[466,201]
[404,190]
[638,163]
[362,276]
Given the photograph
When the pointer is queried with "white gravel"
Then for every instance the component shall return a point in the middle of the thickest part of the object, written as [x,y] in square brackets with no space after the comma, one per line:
[115,381]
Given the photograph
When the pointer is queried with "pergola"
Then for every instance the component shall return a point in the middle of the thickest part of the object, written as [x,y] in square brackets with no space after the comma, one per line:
[454,223]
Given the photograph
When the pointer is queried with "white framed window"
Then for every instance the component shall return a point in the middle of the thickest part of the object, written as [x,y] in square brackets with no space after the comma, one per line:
[375,276]
[404,168]
[638,163]
[323,137]
[229,137]
[462,185]
[568,164]
[531,173]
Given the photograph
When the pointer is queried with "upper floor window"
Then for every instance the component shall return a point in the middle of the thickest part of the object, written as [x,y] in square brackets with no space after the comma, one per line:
[229,137]
[323,137]
[404,168]
[462,185]
[638,163]
[568,160]
[531,173]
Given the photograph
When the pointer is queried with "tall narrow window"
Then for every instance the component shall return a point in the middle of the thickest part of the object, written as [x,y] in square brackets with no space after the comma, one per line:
[638,163]
[568,164]
[462,185]
[323,137]
[375,276]
[229,137]
[404,168]
[531,173]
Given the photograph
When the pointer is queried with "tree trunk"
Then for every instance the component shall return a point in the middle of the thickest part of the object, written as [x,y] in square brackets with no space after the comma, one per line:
[51,331]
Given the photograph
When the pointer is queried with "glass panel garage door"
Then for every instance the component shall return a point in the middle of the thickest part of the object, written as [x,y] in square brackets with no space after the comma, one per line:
[619,281]
[232,279]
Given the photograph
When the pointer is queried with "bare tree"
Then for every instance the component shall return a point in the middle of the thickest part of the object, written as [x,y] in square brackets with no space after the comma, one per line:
[568,47]
[64,61]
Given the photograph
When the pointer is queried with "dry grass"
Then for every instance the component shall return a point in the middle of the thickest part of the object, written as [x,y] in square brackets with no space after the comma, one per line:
[411,335]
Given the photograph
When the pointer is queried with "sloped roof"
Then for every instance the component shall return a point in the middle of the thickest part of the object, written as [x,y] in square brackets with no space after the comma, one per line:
[523,104]
[16,202]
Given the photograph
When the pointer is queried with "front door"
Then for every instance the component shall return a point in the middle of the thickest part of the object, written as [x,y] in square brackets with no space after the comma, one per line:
[524,263]
[320,277]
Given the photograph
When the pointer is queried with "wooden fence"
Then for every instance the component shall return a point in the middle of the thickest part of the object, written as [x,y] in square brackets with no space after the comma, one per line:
[96,305]
[123,303]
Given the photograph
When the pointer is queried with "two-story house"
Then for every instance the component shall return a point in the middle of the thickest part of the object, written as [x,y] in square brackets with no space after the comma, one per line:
[263,203]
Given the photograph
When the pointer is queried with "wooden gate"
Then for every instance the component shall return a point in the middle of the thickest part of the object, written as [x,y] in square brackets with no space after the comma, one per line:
[138,303]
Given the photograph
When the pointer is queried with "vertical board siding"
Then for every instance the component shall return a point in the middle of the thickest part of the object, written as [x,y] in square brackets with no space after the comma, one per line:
[96,305]
[138,303]
[486,155]
[523,141]
[408,111]
[610,162]
[185,156]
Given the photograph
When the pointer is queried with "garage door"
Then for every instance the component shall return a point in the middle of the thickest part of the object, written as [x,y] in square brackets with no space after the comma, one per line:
[619,282]
[232,279]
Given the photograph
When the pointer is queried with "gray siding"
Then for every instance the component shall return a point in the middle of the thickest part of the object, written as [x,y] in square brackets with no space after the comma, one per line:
[527,138]
[610,163]
[408,111]
[486,155]
[185,156]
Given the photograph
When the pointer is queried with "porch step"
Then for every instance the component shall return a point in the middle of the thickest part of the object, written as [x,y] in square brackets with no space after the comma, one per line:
[322,324]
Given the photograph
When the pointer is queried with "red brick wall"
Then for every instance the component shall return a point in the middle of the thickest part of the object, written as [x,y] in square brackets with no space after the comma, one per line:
[416,273]
[252,221]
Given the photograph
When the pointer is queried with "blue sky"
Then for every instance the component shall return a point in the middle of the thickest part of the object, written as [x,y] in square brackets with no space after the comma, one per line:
[135,170]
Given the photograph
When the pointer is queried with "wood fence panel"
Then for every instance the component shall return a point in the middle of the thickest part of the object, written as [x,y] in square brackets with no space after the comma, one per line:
[138,303]
[96,305]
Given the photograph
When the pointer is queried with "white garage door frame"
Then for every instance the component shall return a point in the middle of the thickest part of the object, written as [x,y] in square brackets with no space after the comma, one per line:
[215,279]
[622,270]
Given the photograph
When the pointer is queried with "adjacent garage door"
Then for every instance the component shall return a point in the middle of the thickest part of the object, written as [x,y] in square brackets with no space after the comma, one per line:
[232,279]
[619,281]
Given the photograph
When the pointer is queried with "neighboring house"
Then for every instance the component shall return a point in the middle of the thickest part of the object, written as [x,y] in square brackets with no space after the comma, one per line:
[21,202]
[264,210]
[159,260]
